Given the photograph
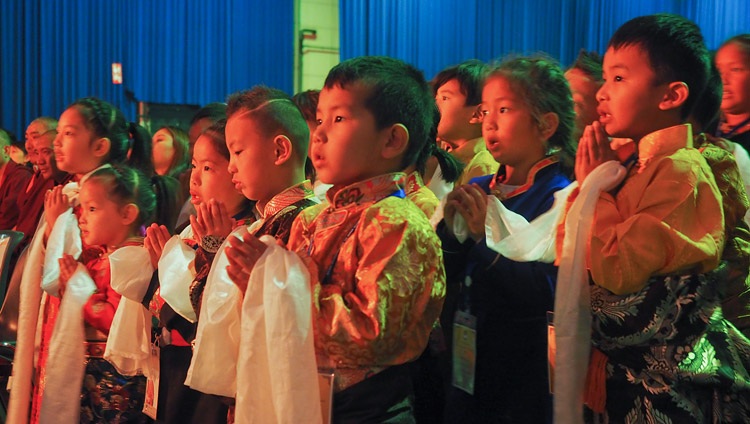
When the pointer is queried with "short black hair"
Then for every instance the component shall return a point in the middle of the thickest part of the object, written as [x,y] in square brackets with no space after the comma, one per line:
[675,48]
[213,111]
[274,113]
[590,63]
[470,76]
[307,102]
[397,94]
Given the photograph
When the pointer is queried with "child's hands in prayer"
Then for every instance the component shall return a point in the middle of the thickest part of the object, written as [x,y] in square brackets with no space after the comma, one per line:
[243,255]
[68,266]
[55,203]
[471,202]
[593,150]
[156,237]
[211,219]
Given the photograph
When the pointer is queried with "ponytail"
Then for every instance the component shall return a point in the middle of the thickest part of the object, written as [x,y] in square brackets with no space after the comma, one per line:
[168,200]
[139,149]
[451,167]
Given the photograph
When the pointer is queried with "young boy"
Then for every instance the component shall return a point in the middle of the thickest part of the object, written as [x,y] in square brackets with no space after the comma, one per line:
[267,139]
[374,261]
[458,92]
[653,238]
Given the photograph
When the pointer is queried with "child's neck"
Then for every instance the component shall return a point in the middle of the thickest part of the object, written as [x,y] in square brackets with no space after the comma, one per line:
[283,183]
[518,174]
[733,120]
[120,241]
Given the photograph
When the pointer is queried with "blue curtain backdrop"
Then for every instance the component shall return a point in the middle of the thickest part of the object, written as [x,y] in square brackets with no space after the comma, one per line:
[437,33]
[172,51]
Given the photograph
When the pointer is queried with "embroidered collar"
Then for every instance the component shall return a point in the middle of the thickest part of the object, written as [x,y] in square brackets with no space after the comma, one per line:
[413,182]
[287,197]
[367,191]
[499,178]
[663,142]
[468,150]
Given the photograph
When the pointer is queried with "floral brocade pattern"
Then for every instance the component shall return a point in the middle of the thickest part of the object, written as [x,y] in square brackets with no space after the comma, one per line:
[386,279]
[108,397]
[671,355]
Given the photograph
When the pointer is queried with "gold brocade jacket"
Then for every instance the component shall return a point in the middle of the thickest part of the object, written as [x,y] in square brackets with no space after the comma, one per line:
[377,273]
[665,219]
[477,159]
[420,195]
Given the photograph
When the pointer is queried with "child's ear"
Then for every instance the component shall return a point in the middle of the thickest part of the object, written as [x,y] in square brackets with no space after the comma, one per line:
[550,121]
[676,95]
[102,147]
[397,142]
[129,213]
[282,149]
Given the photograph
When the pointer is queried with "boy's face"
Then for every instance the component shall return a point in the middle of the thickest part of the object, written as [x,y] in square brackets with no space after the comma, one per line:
[346,144]
[251,157]
[455,115]
[734,67]
[629,98]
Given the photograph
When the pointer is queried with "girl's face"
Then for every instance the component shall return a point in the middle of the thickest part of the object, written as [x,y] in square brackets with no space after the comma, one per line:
[162,150]
[210,178]
[102,222]
[76,144]
[734,67]
[510,132]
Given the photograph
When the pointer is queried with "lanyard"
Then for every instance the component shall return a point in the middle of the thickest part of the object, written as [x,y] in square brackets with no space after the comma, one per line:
[329,271]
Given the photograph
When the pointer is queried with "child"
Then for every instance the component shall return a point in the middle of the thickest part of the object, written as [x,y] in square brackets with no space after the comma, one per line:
[527,122]
[267,140]
[458,91]
[115,203]
[307,102]
[374,263]
[733,62]
[661,346]
[183,265]
[92,134]
[585,78]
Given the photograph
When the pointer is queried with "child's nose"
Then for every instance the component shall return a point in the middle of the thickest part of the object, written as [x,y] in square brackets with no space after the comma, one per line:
[601,93]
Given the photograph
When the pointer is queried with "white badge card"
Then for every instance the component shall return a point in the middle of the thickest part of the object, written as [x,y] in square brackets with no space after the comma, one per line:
[464,351]
[152,383]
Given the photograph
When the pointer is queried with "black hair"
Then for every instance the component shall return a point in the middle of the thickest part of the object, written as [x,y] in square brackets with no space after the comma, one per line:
[212,111]
[140,153]
[707,110]
[450,167]
[675,49]
[742,41]
[307,102]
[540,82]
[274,113]
[397,94]
[105,120]
[590,63]
[126,185]
[470,76]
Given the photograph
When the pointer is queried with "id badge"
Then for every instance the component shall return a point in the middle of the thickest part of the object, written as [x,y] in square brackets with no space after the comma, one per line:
[152,383]
[551,350]
[464,351]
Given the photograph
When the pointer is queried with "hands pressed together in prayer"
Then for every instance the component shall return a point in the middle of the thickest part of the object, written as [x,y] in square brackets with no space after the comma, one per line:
[68,266]
[243,254]
[593,150]
[55,203]
[211,219]
[471,202]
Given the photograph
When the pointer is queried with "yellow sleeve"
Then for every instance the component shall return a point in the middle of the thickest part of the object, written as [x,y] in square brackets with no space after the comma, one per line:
[481,164]
[675,224]
[387,289]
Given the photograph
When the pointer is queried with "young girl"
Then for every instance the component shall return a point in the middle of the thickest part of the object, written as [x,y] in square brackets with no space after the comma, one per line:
[92,134]
[183,264]
[527,121]
[115,204]
[171,151]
